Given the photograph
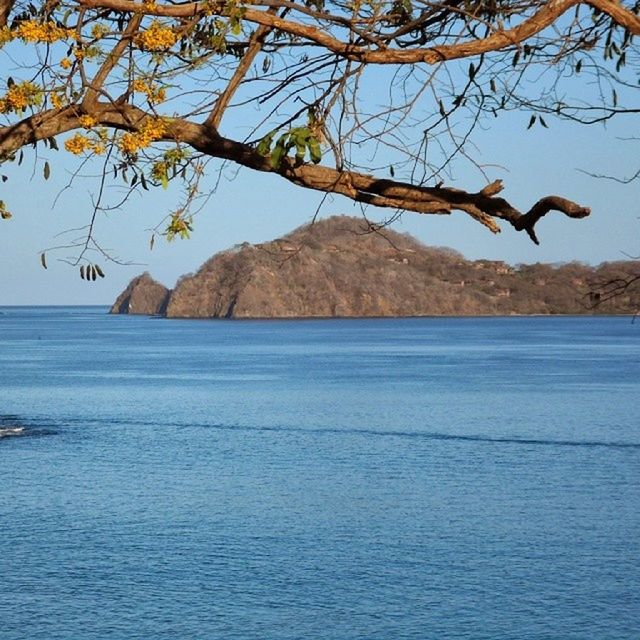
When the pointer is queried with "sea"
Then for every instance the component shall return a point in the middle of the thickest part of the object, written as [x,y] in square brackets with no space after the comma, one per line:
[432,478]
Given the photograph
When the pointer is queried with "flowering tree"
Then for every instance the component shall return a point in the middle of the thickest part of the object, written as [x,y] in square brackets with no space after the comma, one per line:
[370,99]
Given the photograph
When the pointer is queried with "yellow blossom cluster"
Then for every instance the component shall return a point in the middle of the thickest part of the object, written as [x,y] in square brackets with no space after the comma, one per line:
[20,96]
[154,93]
[99,31]
[57,100]
[151,129]
[81,143]
[5,36]
[157,37]
[86,53]
[88,122]
[65,63]
[36,31]
[78,144]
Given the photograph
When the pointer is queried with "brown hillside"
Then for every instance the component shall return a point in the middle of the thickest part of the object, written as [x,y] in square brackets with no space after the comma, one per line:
[341,267]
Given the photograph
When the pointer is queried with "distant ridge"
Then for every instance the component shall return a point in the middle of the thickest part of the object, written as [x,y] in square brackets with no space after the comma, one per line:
[343,267]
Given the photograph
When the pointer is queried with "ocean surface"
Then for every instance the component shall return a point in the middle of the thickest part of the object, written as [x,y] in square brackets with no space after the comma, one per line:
[330,479]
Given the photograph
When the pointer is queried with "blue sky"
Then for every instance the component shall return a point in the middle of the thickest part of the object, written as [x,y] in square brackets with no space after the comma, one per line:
[256,207]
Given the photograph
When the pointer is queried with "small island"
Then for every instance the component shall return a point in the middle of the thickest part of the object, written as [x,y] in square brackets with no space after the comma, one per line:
[344,267]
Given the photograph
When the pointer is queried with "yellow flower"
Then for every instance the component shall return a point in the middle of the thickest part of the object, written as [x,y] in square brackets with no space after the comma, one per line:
[99,31]
[20,96]
[35,31]
[151,129]
[57,100]
[88,121]
[77,144]
[155,94]
[5,36]
[157,37]
[65,63]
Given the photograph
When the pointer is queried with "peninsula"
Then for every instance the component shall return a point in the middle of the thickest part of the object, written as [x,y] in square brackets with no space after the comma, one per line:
[343,267]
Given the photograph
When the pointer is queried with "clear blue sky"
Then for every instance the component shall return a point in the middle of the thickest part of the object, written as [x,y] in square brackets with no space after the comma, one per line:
[255,207]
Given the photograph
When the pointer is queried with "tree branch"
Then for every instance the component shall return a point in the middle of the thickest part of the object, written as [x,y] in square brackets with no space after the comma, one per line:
[483,206]
[499,39]
[255,46]
[112,59]
[5,10]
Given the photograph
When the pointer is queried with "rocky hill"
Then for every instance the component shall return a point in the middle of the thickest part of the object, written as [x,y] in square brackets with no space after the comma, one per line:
[142,296]
[340,267]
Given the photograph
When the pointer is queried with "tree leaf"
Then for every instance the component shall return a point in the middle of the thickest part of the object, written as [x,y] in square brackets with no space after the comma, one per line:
[264,146]
[314,150]
[46,171]
[43,260]
[531,122]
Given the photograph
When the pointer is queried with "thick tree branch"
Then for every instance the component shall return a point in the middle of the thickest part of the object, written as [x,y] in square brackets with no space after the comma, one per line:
[484,206]
[500,39]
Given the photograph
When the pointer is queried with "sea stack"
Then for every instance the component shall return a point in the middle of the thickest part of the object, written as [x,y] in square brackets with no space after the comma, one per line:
[143,296]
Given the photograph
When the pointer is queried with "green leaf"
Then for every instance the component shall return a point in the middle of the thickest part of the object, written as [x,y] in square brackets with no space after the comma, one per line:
[301,149]
[279,151]
[264,146]
[314,151]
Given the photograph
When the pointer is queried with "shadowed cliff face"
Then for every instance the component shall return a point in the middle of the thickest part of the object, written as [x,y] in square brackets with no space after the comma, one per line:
[339,267]
[143,296]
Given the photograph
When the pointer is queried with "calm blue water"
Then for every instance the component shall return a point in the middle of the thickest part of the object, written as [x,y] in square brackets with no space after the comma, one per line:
[363,479]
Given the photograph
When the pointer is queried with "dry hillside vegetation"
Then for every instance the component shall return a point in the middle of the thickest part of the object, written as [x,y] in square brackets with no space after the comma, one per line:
[343,267]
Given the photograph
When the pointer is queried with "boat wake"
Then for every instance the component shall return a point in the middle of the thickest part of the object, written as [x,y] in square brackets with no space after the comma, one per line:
[14,427]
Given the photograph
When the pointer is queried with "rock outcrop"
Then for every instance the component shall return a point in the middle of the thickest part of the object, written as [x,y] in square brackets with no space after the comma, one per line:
[340,267]
[142,296]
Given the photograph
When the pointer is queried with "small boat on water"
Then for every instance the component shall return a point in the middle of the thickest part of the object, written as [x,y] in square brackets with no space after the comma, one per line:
[6,432]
